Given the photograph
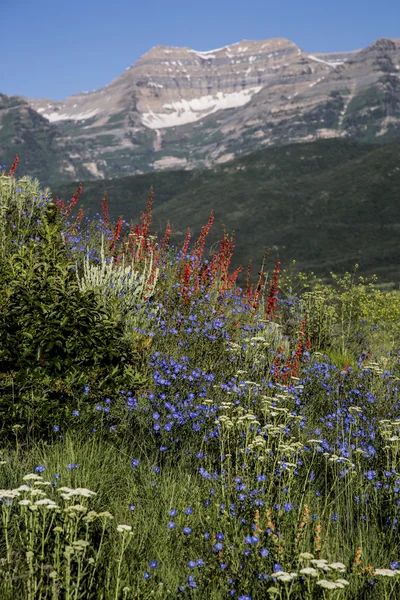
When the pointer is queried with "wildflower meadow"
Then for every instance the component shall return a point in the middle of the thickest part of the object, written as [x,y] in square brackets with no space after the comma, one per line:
[167,433]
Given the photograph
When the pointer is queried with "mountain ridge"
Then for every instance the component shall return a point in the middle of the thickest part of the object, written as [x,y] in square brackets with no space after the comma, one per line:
[176,107]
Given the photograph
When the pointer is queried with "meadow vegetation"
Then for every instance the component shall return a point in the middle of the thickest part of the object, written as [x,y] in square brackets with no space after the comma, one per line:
[168,434]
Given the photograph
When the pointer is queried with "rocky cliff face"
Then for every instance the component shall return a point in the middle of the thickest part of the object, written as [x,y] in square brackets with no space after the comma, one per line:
[182,108]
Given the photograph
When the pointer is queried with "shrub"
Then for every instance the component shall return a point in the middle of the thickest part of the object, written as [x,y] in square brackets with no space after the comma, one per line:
[49,327]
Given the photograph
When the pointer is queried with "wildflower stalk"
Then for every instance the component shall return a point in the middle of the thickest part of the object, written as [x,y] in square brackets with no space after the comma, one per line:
[186,244]
[272,302]
[126,535]
[61,204]
[6,521]
[96,560]
[116,236]
[14,166]
[248,281]
[106,218]
[31,579]
[67,554]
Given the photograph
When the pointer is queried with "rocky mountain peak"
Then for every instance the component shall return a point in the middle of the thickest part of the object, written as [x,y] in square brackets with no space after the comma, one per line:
[385,45]
[181,107]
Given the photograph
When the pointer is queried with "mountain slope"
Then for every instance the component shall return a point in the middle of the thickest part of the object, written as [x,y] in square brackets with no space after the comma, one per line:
[328,204]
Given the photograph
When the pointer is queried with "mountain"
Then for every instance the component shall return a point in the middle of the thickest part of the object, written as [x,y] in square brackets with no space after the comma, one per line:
[182,108]
[328,204]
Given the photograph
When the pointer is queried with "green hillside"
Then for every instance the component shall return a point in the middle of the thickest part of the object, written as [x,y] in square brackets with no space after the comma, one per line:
[328,204]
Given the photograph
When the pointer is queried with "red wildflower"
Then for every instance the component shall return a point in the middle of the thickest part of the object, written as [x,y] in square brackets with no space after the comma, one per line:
[106,218]
[116,235]
[199,246]
[73,201]
[186,243]
[166,238]
[248,280]
[272,302]
[14,166]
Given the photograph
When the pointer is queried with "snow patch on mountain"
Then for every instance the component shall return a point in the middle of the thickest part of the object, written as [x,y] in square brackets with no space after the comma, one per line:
[189,111]
[199,52]
[57,116]
[326,62]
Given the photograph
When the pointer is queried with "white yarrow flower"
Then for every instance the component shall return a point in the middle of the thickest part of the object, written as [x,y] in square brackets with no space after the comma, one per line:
[306,555]
[309,571]
[385,572]
[77,508]
[9,493]
[328,585]
[337,566]
[37,492]
[122,528]
[286,577]
[32,476]
[77,492]
[85,492]
[44,502]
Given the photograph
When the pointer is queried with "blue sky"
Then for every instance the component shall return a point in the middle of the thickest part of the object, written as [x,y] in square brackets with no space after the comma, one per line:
[52,49]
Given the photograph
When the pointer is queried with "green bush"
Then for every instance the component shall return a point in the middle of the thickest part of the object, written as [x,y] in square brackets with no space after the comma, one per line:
[49,327]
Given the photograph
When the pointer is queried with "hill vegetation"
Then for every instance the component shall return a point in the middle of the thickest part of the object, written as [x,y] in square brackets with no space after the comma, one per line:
[328,204]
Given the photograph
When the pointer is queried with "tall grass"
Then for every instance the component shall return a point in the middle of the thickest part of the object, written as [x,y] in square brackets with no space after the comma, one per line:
[167,434]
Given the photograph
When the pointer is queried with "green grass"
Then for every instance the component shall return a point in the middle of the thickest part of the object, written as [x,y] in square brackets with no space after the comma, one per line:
[180,436]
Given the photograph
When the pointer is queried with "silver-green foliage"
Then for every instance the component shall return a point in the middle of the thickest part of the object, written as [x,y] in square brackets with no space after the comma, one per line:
[128,286]
[20,209]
